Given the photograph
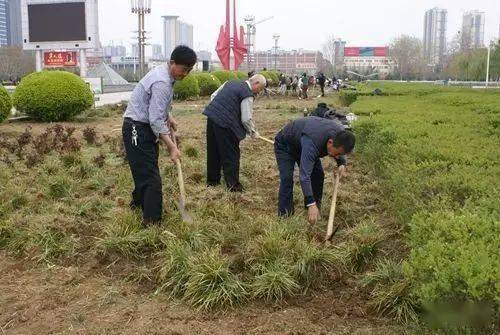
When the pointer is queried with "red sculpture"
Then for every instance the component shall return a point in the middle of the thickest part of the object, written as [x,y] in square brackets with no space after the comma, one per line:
[224,44]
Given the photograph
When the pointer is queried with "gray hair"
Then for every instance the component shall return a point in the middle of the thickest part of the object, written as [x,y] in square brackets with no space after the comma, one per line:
[258,79]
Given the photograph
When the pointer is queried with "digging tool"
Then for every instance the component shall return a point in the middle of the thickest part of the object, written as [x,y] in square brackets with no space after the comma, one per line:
[266,139]
[330,231]
[180,178]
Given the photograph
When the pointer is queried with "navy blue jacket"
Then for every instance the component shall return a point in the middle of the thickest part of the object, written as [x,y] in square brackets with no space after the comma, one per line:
[307,138]
[225,109]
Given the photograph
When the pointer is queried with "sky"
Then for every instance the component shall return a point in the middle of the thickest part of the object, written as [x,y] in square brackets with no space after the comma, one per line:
[301,24]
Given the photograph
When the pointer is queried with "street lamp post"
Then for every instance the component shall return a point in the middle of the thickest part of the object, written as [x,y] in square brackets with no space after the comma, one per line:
[488,65]
[141,8]
[276,38]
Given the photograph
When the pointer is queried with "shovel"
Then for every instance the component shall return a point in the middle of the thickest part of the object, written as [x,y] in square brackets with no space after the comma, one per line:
[266,139]
[330,231]
[181,205]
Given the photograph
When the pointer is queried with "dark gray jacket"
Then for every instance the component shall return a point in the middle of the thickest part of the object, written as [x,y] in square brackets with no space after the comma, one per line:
[225,109]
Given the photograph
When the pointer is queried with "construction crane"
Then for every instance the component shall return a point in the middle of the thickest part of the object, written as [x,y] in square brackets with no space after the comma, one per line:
[251,33]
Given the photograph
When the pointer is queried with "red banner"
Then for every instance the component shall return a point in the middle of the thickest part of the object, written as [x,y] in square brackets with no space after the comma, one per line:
[60,58]
[351,51]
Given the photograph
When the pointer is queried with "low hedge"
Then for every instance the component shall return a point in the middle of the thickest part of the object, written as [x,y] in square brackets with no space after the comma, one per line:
[51,96]
[208,83]
[5,104]
[224,76]
[187,88]
[347,98]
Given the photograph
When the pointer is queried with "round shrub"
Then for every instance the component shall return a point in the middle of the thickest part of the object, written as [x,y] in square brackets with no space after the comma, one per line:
[5,104]
[187,88]
[224,76]
[52,96]
[208,83]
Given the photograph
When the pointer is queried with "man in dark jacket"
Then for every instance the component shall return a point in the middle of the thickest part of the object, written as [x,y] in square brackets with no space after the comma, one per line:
[321,79]
[303,142]
[230,121]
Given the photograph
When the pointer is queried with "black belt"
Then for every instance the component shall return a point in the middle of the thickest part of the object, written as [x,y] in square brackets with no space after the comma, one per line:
[132,121]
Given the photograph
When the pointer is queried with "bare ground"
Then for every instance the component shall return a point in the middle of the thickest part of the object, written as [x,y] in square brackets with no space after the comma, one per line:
[93,298]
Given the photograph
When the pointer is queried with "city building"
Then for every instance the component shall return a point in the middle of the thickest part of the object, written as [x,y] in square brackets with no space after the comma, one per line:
[175,32]
[114,51]
[157,52]
[368,60]
[472,30]
[338,50]
[4,24]
[204,55]
[435,35]
[290,62]
[14,26]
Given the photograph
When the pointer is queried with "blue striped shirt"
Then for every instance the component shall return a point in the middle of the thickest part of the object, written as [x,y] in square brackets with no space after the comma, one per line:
[151,100]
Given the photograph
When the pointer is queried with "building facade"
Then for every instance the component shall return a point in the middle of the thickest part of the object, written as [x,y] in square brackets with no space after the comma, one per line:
[15,26]
[289,62]
[114,51]
[473,30]
[156,51]
[175,32]
[4,23]
[368,60]
[435,21]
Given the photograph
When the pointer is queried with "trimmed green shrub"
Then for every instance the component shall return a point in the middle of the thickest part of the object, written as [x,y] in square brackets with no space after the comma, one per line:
[347,98]
[224,76]
[187,88]
[241,75]
[52,96]
[5,104]
[208,83]
[271,77]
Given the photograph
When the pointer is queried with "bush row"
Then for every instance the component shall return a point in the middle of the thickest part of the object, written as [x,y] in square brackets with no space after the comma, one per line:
[444,191]
[5,104]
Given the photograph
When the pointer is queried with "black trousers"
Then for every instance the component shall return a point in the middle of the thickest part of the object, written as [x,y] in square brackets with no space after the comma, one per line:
[322,87]
[286,160]
[223,153]
[143,161]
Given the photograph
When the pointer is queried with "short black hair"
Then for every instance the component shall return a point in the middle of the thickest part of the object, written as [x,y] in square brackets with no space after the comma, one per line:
[184,55]
[344,139]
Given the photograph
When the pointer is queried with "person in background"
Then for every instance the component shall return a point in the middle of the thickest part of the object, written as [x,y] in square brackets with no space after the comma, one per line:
[229,121]
[282,84]
[321,79]
[147,123]
[304,86]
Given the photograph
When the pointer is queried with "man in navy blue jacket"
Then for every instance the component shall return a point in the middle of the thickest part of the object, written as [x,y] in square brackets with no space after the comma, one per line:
[303,142]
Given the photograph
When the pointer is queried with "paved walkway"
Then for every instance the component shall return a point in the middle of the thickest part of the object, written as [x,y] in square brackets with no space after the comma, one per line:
[112,98]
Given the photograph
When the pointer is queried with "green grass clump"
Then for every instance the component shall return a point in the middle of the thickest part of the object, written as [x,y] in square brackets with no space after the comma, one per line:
[125,236]
[175,269]
[211,284]
[274,281]
[390,292]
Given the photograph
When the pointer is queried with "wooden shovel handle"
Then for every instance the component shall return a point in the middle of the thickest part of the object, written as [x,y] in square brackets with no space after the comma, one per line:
[331,217]
[266,140]
[180,176]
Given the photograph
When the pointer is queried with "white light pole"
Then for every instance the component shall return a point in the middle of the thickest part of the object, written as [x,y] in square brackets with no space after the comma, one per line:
[141,7]
[488,65]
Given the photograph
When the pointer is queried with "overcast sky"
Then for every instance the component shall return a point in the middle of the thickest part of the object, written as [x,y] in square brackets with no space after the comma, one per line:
[302,24]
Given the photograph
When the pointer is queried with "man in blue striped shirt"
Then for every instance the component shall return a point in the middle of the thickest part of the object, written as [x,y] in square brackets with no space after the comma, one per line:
[146,123]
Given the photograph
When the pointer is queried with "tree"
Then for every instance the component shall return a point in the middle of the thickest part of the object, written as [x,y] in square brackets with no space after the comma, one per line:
[471,64]
[15,63]
[407,53]
[329,49]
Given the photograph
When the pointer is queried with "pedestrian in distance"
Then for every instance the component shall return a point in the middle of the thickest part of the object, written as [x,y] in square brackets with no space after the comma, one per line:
[146,123]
